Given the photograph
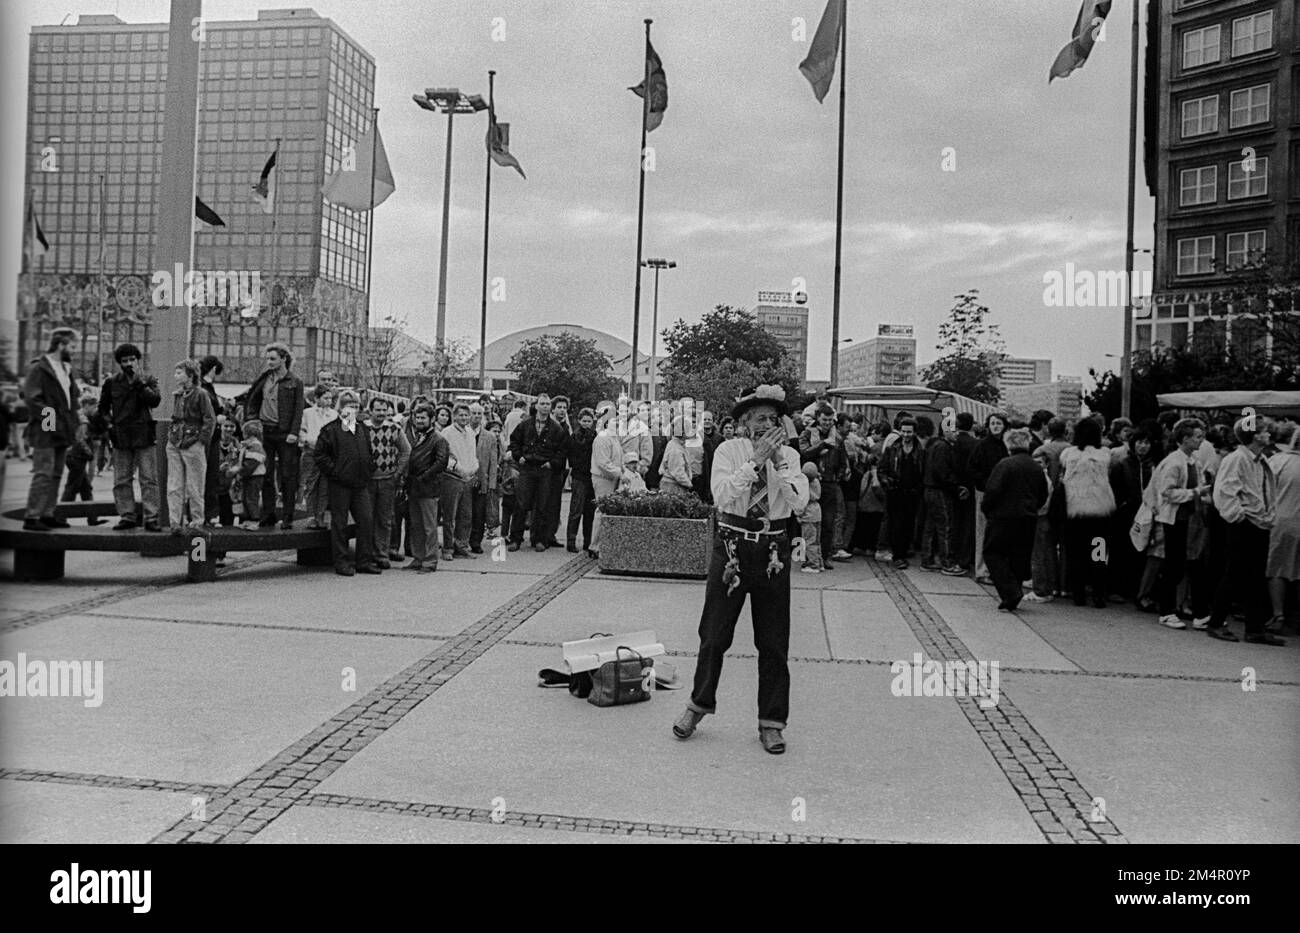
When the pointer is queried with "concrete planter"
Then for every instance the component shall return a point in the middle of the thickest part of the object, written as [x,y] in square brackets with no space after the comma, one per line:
[660,547]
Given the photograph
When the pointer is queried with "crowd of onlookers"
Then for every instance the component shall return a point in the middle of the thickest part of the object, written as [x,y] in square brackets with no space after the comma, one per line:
[1186,520]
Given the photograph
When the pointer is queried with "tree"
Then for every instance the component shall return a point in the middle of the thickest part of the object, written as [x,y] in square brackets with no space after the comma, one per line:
[565,364]
[722,356]
[718,385]
[971,349]
[383,351]
[446,363]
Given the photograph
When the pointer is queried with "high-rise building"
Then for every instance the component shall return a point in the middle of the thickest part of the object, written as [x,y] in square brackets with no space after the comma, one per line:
[1015,371]
[296,275]
[887,359]
[1064,398]
[781,316]
[1223,130]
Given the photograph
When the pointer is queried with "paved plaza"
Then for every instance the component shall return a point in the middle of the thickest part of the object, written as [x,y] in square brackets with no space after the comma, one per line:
[227,701]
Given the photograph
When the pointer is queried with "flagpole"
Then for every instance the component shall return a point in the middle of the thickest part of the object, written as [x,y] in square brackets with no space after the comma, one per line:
[839,202]
[1126,362]
[103,284]
[275,216]
[487,214]
[640,216]
[370,219]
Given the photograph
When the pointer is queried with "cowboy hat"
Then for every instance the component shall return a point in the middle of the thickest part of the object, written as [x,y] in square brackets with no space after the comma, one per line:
[762,395]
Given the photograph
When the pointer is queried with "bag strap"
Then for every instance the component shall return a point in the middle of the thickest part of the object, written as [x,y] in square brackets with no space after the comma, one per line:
[618,669]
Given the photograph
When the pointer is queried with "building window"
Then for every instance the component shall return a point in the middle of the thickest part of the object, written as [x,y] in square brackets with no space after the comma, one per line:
[1200,116]
[1200,47]
[1198,186]
[1196,255]
[1252,34]
[1249,106]
[1245,247]
[1247,184]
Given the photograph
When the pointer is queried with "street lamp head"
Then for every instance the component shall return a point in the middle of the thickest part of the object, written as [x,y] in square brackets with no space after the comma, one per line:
[444,99]
[423,102]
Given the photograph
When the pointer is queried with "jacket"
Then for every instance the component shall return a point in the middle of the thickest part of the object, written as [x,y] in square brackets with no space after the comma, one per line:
[1015,489]
[1129,478]
[896,473]
[345,458]
[988,451]
[1243,490]
[532,448]
[938,472]
[606,457]
[429,457]
[127,406]
[193,420]
[963,445]
[1168,489]
[831,458]
[291,402]
[488,476]
[579,452]
[1086,476]
[44,393]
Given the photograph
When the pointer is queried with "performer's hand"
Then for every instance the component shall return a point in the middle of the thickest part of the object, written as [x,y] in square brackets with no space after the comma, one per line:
[769,445]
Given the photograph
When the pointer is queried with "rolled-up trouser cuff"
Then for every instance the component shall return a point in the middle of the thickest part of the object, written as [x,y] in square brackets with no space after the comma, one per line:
[696,708]
[770,723]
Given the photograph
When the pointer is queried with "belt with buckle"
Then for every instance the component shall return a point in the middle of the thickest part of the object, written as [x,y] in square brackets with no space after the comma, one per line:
[757,526]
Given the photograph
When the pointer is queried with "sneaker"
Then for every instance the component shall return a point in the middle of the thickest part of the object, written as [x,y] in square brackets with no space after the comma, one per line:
[1222,633]
[539,547]
[984,581]
[685,725]
[467,555]
[773,742]
[954,571]
[901,564]
[414,565]
[345,571]
[841,555]
[370,568]
[512,546]
[152,526]
[884,557]
[313,524]
[286,525]
[250,526]
[827,565]
[1033,597]
[1172,621]
[1201,624]
[448,555]
[927,565]
[810,570]
[427,568]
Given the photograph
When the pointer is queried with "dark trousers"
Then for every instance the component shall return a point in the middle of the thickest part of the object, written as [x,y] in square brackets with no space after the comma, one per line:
[78,483]
[963,530]
[1081,534]
[1243,578]
[477,517]
[1008,551]
[344,499]
[553,505]
[401,516]
[532,497]
[901,506]
[832,503]
[282,465]
[582,510]
[936,537]
[866,531]
[509,505]
[212,480]
[1172,569]
[769,608]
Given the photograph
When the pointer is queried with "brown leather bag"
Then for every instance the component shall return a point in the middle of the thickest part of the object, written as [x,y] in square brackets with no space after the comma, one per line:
[622,681]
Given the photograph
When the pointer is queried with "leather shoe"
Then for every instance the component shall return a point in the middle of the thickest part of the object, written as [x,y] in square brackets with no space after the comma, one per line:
[1264,638]
[383,564]
[685,725]
[49,521]
[512,546]
[475,549]
[539,547]
[773,743]
[369,568]
[125,524]
[345,571]
[571,548]
[397,557]
[35,524]
[1222,633]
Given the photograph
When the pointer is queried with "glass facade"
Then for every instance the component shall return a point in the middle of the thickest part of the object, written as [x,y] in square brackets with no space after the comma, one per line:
[95,122]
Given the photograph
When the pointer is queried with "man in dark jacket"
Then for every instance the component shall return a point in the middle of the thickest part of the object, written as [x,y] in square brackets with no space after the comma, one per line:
[560,415]
[535,446]
[582,501]
[343,455]
[277,400]
[52,398]
[1014,492]
[209,369]
[126,403]
[823,444]
[963,513]
[429,456]
[901,474]
[939,482]
[712,437]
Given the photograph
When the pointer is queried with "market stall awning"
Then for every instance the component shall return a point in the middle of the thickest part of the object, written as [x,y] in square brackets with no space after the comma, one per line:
[1262,400]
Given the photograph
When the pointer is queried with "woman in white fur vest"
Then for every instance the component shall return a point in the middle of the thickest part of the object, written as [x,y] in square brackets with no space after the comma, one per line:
[1089,504]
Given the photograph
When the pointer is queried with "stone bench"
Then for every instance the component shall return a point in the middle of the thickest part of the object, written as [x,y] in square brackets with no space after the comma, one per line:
[39,555]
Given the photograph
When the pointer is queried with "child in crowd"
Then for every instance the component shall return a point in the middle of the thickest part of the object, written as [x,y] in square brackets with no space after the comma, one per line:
[249,473]
[631,480]
[315,487]
[810,521]
[508,475]
[80,456]
[492,515]
[227,456]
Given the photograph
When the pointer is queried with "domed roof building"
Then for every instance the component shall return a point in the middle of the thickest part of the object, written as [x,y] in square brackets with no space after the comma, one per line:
[499,352]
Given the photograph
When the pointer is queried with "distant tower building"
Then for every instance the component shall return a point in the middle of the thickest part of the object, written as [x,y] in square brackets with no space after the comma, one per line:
[787,321]
[95,111]
[888,359]
[1064,398]
[1014,371]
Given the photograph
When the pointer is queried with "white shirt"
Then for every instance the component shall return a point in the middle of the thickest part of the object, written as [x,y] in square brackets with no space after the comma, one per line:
[734,477]
[62,372]
[464,448]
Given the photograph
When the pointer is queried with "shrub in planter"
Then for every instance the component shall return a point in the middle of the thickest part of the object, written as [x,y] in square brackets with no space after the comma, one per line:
[654,534]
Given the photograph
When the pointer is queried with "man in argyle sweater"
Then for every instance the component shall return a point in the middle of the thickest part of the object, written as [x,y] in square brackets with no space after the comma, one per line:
[391,451]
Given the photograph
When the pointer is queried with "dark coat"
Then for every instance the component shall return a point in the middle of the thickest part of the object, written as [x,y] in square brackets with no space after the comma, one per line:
[579,452]
[939,472]
[127,406]
[895,474]
[46,398]
[345,458]
[532,448]
[429,457]
[1015,489]
[963,445]
[291,402]
[988,451]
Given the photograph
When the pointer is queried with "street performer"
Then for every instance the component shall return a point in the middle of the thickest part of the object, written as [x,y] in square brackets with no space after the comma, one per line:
[757,484]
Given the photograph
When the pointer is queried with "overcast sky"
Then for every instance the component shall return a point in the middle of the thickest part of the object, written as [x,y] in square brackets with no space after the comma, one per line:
[743,195]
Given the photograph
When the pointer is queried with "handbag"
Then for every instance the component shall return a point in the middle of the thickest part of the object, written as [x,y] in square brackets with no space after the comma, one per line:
[1140,531]
[622,681]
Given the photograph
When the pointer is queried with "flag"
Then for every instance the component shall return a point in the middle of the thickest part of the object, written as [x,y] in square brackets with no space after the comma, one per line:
[1091,16]
[658,89]
[36,244]
[498,144]
[206,214]
[102,225]
[819,66]
[350,186]
[264,190]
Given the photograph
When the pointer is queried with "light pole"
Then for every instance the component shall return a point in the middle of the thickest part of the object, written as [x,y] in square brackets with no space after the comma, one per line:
[451,101]
[655,264]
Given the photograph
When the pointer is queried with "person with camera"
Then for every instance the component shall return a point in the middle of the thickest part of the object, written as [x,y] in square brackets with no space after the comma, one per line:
[126,403]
